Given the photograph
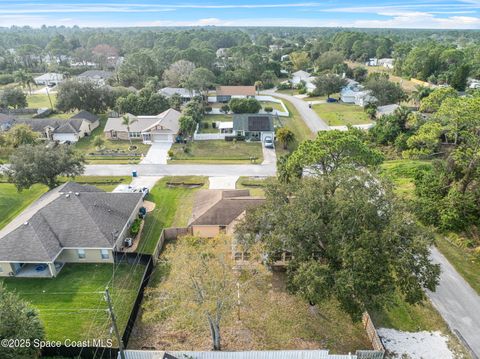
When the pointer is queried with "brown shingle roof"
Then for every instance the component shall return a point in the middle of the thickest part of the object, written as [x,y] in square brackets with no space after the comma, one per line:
[217,207]
[236,91]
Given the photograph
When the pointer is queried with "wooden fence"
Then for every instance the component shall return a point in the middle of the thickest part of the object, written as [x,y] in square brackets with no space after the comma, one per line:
[372,332]
[168,234]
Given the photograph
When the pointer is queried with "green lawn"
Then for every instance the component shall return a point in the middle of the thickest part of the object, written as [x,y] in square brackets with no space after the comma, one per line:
[295,123]
[13,202]
[462,258]
[255,185]
[338,114]
[107,183]
[209,119]
[41,100]
[120,148]
[72,305]
[218,151]
[173,208]
[274,105]
[321,98]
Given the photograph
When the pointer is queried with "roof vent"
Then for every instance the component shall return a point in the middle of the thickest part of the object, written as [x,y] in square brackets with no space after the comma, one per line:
[25,223]
[67,195]
[77,194]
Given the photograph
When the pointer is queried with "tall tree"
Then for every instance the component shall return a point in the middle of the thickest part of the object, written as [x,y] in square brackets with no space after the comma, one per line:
[32,164]
[127,121]
[349,237]
[328,84]
[20,135]
[178,73]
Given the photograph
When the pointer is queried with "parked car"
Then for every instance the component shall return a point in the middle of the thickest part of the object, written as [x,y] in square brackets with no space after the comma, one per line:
[268,142]
[331,99]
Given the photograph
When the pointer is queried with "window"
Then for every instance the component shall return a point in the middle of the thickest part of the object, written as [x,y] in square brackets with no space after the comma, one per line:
[104,253]
[134,134]
[1,269]
[81,253]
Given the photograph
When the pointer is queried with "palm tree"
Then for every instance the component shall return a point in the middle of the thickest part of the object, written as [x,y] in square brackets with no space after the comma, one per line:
[25,79]
[128,121]
[258,86]
[285,136]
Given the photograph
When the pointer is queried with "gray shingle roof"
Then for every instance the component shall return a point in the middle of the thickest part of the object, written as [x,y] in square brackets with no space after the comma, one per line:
[87,219]
[85,115]
[96,74]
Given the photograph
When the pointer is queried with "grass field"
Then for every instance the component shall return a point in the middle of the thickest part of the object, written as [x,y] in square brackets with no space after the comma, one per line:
[13,202]
[211,119]
[41,100]
[72,305]
[256,185]
[338,114]
[218,151]
[173,209]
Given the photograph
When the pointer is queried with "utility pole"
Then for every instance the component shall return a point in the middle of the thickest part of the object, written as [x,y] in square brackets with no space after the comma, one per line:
[114,323]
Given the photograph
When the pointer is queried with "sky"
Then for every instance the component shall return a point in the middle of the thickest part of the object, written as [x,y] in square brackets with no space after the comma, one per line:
[432,14]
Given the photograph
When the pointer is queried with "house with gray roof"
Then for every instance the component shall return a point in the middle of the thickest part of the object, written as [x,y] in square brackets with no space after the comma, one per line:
[53,129]
[185,94]
[72,223]
[98,77]
[49,79]
[254,126]
[160,128]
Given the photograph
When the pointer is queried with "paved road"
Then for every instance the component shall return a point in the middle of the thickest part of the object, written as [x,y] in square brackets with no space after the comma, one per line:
[458,303]
[181,170]
[313,121]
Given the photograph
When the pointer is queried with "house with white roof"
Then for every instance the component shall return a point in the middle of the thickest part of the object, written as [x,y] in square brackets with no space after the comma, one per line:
[184,93]
[388,63]
[160,128]
[49,79]
[354,93]
[299,76]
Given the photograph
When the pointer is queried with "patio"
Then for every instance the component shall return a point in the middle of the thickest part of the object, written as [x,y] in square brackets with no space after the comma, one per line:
[38,270]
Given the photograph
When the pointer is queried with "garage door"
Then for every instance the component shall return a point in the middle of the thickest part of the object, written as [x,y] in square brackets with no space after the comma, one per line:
[162,138]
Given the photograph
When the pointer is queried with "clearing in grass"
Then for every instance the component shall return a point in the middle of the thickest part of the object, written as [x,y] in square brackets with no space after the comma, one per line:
[41,100]
[341,114]
[217,151]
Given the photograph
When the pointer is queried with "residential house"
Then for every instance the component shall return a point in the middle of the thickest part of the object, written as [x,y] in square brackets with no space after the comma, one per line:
[354,93]
[221,53]
[49,79]
[299,76]
[272,354]
[98,77]
[473,83]
[386,110]
[372,62]
[160,128]
[226,93]
[52,129]
[217,211]
[254,127]
[388,63]
[185,94]
[284,58]
[72,223]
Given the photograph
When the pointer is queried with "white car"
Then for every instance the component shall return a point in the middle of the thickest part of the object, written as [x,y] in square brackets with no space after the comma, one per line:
[268,142]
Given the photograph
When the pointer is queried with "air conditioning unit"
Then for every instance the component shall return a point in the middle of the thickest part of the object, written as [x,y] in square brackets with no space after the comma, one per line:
[128,242]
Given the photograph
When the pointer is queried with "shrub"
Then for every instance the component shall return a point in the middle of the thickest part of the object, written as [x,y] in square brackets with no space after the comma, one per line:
[135,228]
[205,125]
[302,91]
[170,153]
[208,109]
[225,109]
[214,125]
[268,109]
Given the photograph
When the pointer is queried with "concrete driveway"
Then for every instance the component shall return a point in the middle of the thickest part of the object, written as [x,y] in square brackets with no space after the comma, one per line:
[458,303]
[269,156]
[223,182]
[157,154]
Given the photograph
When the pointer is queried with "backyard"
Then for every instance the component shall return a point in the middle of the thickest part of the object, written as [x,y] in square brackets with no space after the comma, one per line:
[341,114]
[173,198]
[218,152]
[270,319]
[72,305]
[206,124]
